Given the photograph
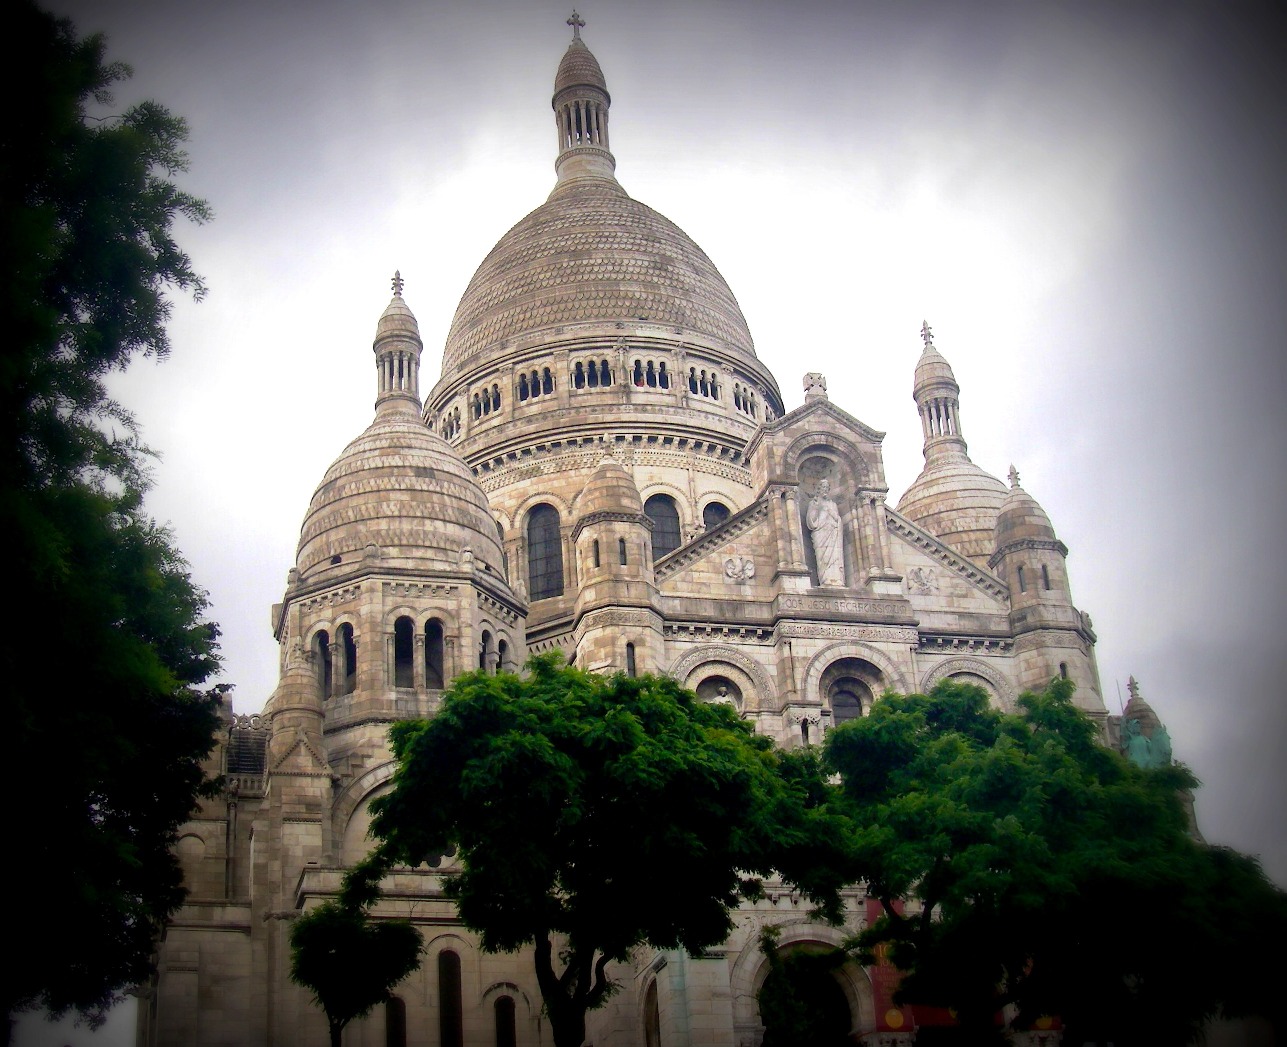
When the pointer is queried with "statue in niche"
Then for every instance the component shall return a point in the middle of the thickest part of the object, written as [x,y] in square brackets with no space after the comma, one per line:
[1136,746]
[823,520]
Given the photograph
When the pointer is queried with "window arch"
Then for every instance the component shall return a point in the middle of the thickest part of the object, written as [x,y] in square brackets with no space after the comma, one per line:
[450,1006]
[632,666]
[595,551]
[435,676]
[404,631]
[349,655]
[661,510]
[544,553]
[1045,577]
[506,1030]
[621,550]
[652,1017]
[1023,584]
[322,653]
[714,514]
[485,650]
[395,1022]
[502,655]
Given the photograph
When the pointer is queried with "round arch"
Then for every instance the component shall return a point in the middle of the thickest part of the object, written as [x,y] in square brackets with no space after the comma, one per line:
[1001,687]
[825,443]
[895,677]
[687,666]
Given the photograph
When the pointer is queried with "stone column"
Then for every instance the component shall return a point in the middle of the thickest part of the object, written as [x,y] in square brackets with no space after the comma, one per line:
[418,660]
[793,527]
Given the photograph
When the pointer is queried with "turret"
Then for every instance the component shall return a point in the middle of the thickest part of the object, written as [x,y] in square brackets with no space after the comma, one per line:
[397,349]
[1052,638]
[953,498]
[580,104]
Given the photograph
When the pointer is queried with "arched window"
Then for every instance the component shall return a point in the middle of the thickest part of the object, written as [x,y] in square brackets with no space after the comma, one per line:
[434,670]
[621,550]
[450,1007]
[605,375]
[484,649]
[502,655]
[404,631]
[663,379]
[804,731]
[652,1017]
[714,514]
[506,1032]
[349,649]
[544,553]
[547,381]
[595,551]
[322,655]
[660,509]
[632,667]
[1063,670]
[578,376]
[495,397]
[1023,585]
[522,387]
[395,1022]
[1045,577]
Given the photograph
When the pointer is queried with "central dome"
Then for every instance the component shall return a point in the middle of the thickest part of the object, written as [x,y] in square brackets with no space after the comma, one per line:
[591,255]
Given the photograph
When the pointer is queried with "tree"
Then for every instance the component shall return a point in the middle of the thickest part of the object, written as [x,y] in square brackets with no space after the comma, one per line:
[801,1005]
[572,799]
[1045,872]
[350,961]
[106,721]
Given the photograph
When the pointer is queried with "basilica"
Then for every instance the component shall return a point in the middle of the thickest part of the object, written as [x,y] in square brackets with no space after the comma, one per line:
[604,467]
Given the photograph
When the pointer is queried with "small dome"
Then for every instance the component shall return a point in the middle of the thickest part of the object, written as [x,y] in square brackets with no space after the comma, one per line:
[957,502]
[1020,517]
[610,490]
[579,68]
[932,369]
[397,321]
[399,495]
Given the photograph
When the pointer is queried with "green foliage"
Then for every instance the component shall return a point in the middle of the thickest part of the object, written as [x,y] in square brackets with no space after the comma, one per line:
[350,961]
[801,1004]
[106,724]
[607,811]
[1048,872]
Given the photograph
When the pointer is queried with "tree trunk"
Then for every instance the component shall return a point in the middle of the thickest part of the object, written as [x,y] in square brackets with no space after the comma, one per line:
[337,1033]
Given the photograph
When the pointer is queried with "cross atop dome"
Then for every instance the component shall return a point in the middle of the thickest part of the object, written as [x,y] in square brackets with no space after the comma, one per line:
[577,23]
[397,282]
[927,336]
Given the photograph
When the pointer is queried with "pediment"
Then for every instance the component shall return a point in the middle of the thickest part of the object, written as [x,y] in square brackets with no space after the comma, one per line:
[943,557]
[300,757]
[777,450]
[744,538]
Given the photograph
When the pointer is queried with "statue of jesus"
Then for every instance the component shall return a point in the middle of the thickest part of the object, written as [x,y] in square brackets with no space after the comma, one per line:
[823,518]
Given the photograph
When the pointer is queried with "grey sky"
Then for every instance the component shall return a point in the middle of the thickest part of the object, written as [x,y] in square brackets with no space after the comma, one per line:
[1083,199]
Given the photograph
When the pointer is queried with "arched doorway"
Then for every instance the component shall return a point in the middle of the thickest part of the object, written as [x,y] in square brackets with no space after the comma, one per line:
[802,1001]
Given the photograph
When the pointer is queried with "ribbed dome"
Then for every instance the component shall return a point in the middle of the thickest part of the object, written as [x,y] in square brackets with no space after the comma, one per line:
[610,490]
[397,321]
[579,68]
[404,490]
[591,255]
[932,368]
[1020,518]
[957,502]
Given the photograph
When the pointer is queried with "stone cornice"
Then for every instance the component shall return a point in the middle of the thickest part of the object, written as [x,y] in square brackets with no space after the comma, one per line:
[1053,545]
[609,516]
[957,642]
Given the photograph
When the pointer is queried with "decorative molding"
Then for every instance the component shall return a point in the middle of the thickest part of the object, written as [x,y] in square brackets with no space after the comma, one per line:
[716,630]
[688,664]
[419,590]
[941,671]
[340,594]
[830,630]
[973,644]
[1051,545]
[739,569]
[959,565]
[845,605]
[894,677]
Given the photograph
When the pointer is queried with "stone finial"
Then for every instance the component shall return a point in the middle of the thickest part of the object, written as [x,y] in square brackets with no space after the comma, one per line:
[927,336]
[815,386]
[1014,476]
[577,23]
[1133,687]
[397,282]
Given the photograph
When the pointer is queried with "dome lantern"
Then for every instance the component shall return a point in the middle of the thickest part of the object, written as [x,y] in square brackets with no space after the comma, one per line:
[397,348]
[580,104]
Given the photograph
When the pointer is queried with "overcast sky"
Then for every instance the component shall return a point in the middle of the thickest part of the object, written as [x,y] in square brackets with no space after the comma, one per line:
[1083,200]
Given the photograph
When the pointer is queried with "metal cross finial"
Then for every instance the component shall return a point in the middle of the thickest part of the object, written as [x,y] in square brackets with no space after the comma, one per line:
[927,336]
[397,281]
[1014,476]
[577,23]
[1133,687]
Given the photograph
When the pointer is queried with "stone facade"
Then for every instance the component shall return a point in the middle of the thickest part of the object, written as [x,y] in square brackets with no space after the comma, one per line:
[606,468]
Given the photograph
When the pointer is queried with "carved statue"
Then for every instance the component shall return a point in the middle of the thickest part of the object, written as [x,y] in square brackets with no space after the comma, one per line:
[823,519]
[1136,746]
[1160,746]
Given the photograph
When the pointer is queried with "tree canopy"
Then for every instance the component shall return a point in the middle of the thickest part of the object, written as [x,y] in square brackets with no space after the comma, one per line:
[106,720]
[350,961]
[590,814]
[1044,871]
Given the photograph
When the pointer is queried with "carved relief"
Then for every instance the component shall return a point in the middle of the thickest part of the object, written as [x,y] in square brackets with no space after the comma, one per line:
[921,581]
[739,569]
